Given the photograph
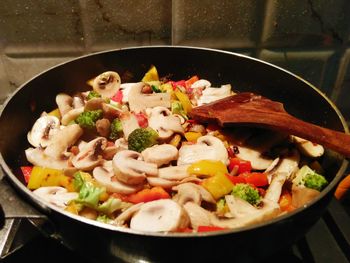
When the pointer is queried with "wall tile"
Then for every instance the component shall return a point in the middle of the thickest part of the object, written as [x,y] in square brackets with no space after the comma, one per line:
[310,65]
[16,71]
[306,23]
[40,27]
[220,24]
[114,24]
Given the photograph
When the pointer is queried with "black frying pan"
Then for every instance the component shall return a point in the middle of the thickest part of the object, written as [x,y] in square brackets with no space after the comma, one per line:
[105,243]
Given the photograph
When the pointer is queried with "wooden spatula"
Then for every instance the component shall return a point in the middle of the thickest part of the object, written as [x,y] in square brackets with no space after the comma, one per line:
[251,109]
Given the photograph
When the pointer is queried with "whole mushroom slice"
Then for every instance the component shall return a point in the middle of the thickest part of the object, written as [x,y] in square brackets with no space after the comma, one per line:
[308,148]
[239,207]
[90,154]
[160,154]
[162,121]
[43,130]
[168,184]
[207,147]
[198,215]
[107,84]
[106,178]
[56,195]
[302,195]
[139,101]
[163,215]
[63,139]
[130,169]
[36,156]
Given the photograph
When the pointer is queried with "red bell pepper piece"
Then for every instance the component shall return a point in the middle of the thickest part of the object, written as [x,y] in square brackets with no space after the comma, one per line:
[118,97]
[285,201]
[236,179]
[142,120]
[256,179]
[209,228]
[26,171]
[243,166]
[147,195]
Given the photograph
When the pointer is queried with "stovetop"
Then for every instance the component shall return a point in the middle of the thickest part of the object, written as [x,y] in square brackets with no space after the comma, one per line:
[327,241]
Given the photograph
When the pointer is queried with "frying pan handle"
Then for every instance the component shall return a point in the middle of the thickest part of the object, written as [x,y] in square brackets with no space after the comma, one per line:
[342,187]
[19,222]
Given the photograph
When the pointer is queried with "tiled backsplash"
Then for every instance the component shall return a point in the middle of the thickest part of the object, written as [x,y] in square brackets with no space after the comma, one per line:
[308,37]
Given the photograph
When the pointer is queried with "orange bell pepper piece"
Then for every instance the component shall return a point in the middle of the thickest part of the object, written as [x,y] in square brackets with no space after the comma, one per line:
[147,195]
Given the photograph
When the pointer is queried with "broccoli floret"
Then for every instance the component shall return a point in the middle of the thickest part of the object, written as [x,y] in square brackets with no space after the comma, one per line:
[142,138]
[116,129]
[315,181]
[93,94]
[247,193]
[176,108]
[87,119]
[310,179]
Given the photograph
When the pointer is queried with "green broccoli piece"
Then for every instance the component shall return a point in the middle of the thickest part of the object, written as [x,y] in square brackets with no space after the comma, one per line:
[87,119]
[247,193]
[93,94]
[116,129]
[142,138]
[310,179]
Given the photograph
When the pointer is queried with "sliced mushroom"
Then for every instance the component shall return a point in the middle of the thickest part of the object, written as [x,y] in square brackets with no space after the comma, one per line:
[190,192]
[239,207]
[36,156]
[201,83]
[139,101]
[78,102]
[126,215]
[103,127]
[90,154]
[128,167]
[43,130]
[105,177]
[159,216]
[64,103]
[62,140]
[207,147]
[308,148]
[198,215]
[211,94]
[71,115]
[165,183]
[160,154]
[107,84]
[125,88]
[254,149]
[129,123]
[174,173]
[166,124]
[94,104]
[55,195]
[286,167]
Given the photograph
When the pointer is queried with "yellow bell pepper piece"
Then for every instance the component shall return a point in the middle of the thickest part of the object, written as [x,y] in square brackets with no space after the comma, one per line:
[175,141]
[42,176]
[192,136]
[207,168]
[74,207]
[218,185]
[55,112]
[151,75]
[185,101]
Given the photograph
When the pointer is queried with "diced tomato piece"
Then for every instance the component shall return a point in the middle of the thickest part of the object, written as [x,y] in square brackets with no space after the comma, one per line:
[147,195]
[142,120]
[243,166]
[209,228]
[118,97]
[256,179]
[26,171]
[236,179]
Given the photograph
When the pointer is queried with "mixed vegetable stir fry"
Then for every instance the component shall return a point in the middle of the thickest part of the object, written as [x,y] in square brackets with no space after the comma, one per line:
[129,154]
